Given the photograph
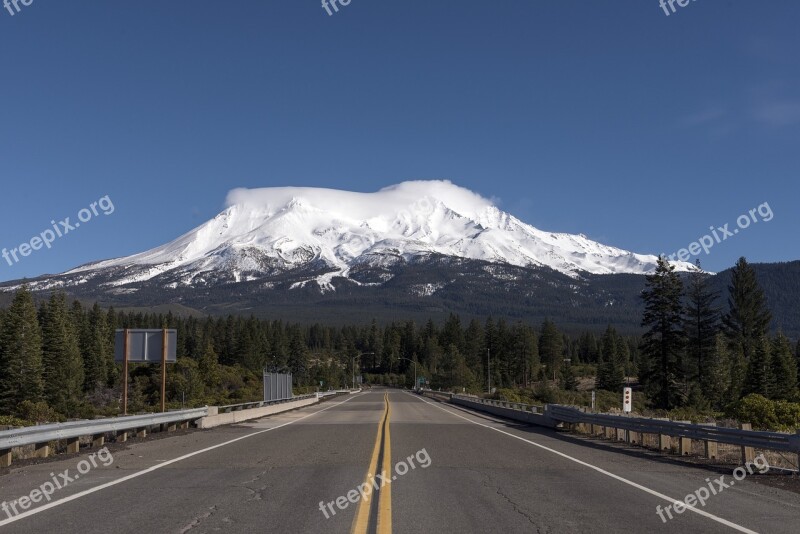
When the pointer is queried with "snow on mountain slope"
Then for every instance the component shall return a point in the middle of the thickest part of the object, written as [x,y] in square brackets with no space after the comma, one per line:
[283,228]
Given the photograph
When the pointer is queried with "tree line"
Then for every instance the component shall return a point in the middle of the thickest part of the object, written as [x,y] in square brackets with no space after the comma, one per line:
[56,356]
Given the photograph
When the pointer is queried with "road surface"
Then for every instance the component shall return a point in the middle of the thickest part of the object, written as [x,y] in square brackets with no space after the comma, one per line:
[459,471]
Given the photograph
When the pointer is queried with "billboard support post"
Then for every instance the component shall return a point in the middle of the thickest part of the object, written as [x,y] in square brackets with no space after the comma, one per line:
[142,345]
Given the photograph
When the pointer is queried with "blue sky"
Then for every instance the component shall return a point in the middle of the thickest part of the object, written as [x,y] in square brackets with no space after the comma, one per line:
[600,117]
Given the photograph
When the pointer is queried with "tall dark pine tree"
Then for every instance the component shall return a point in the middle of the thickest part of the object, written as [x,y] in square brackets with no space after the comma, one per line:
[20,354]
[663,343]
[746,323]
[701,324]
[551,347]
[784,369]
[760,378]
[611,368]
[62,362]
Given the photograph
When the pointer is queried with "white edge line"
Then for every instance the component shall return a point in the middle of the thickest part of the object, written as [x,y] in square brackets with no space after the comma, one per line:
[89,491]
[603,471]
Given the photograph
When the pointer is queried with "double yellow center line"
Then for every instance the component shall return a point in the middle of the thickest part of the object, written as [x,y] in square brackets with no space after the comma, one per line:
[381,452]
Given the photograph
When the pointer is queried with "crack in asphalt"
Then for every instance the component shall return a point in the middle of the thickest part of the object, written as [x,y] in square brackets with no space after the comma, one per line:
[199,519]
[486,480]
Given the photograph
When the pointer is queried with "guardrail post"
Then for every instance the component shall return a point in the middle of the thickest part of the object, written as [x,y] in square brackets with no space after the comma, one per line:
[684,443]
[122,436]
[41,450]
[184,425]
[171,427]
[141,432]
[710,448]
[620,434]
[73,445]
[5,457]
[664,442]
[748,453]
[98,440]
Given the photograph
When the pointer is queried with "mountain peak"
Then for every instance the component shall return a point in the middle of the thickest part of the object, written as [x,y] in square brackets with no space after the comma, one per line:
[267,231]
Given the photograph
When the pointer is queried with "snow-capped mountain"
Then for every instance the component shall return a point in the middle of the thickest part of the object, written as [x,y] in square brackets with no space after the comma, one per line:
[326,234]
[274,230]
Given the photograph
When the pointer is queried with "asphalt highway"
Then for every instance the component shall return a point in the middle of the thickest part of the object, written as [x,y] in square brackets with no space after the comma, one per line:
[380,461]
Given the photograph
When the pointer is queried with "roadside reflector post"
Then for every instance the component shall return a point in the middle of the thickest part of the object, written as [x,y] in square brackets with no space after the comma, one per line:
[627,400]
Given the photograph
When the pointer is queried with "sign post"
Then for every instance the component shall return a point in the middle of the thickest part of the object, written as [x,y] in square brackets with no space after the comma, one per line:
[145,346]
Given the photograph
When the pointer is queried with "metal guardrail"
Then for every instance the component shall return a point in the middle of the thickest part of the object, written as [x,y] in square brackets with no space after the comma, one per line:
[745,438]
[322,394]
[530,408]
[260,404]
[32,435]
[555,413]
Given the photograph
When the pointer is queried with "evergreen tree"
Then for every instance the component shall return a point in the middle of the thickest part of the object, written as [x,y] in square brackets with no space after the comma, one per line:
[98,355]
[746,323]
[551,347]
[208,366]
[611,369]
[568,380]
[61,357]
[784,369]
[759,377]
[701,323]
[717,386]
[20,354]
[663,343]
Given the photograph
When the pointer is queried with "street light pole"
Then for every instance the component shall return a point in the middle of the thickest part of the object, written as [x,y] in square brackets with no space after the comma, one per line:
[415,369]
[354,365]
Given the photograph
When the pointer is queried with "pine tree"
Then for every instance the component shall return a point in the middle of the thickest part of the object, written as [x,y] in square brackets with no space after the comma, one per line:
[701,323]
[746,323]
[611,368]
[208,366]
[551,347]
[663,343]
[784,369]
[568,380]
[759,377]
[61,357]
[20,354]
[98,356]
[717,385]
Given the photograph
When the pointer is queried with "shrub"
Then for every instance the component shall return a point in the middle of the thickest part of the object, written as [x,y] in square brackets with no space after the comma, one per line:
[756,410]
